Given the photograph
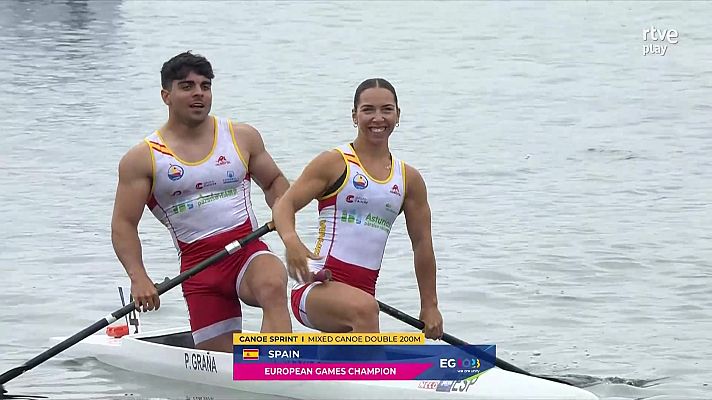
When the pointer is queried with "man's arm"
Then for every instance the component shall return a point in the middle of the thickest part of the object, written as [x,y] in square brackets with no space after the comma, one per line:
[132,191]
[261,166]
[417,218]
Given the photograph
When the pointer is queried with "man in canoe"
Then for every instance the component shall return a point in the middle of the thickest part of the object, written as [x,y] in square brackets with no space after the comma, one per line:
[361,188]
[194,174]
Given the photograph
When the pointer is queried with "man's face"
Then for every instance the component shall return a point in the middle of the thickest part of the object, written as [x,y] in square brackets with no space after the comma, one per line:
[190,98]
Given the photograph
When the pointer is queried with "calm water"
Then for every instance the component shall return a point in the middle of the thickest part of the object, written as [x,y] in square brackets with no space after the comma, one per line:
[569,175]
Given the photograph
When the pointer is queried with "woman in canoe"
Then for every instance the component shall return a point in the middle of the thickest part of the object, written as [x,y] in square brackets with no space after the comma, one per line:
[361,189]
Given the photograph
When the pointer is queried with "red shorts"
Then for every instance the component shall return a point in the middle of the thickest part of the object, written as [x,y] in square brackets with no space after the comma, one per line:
[299,299]
[211,295]
[353,275]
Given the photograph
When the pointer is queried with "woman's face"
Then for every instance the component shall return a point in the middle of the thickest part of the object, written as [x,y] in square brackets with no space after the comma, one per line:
[376,114]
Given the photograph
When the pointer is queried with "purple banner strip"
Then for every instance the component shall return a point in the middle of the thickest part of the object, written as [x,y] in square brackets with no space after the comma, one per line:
[328,371]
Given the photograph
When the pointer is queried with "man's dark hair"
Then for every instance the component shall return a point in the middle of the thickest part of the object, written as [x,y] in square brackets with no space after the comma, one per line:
[183,64]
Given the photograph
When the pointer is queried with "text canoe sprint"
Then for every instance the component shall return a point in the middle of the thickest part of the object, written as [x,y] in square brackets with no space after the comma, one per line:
[391,338]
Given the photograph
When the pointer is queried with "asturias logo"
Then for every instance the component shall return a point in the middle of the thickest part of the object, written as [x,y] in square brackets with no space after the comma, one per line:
[175,172]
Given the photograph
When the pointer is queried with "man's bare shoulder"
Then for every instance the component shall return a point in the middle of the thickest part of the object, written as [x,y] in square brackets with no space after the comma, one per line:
[248,137]
[245,130]
[137,160]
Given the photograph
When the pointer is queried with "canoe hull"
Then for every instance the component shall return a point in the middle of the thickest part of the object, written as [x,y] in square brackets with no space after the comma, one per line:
[148,351]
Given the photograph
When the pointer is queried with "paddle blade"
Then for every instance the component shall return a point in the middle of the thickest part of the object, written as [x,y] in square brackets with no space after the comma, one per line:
[4,395]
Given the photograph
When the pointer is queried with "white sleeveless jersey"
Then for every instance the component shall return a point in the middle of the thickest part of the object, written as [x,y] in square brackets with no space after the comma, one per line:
[355,221]
[201,199]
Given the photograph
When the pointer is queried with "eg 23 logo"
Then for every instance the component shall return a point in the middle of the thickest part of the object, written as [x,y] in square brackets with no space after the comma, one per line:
[468,363]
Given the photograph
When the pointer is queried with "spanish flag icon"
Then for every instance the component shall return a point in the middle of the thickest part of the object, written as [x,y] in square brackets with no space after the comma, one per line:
[250,354]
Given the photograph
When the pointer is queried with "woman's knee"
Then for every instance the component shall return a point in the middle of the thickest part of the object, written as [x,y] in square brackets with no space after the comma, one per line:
[365,312]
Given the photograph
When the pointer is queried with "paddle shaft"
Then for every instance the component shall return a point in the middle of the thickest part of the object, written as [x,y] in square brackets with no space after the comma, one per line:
[418,324]
[120,313]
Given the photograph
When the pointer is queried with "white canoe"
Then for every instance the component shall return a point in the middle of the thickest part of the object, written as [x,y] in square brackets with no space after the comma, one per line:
[164,353]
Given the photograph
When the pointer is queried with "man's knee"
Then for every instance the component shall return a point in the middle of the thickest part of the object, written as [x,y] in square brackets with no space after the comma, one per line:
[221,342]
[270,290]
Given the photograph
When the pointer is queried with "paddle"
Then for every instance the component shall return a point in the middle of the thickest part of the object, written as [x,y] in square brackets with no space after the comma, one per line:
[120,313]
[418,324]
